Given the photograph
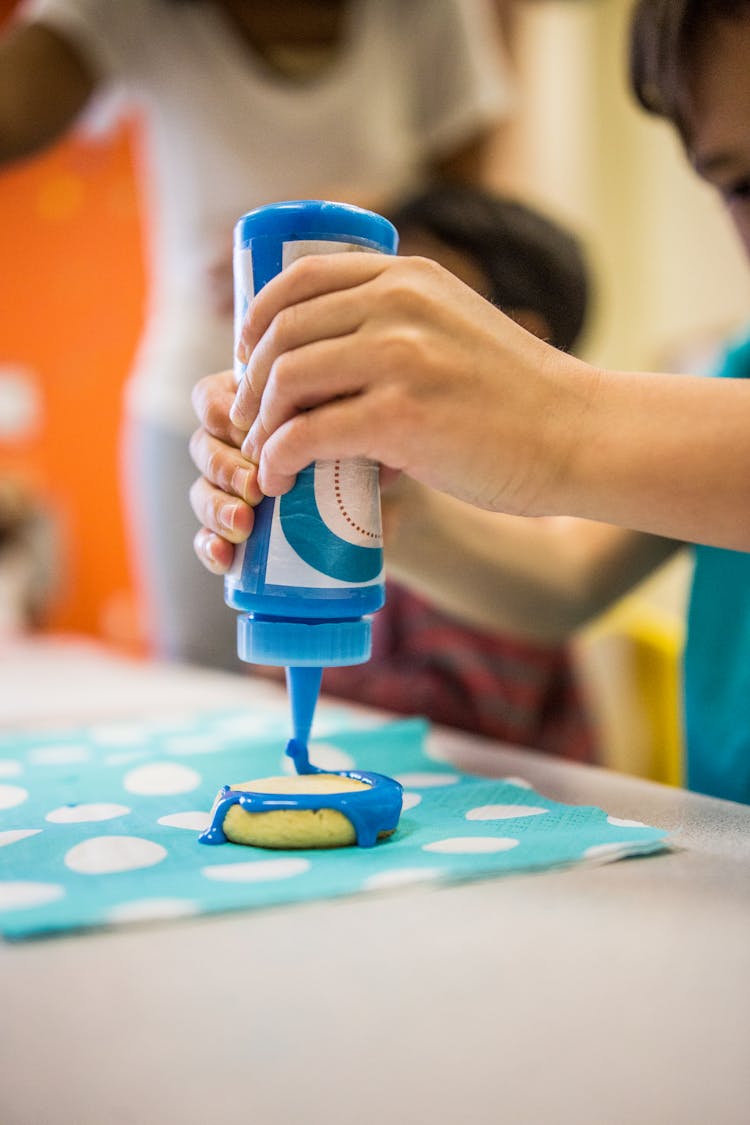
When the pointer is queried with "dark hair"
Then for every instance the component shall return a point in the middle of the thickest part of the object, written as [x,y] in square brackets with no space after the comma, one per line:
[530,262]
[663,37]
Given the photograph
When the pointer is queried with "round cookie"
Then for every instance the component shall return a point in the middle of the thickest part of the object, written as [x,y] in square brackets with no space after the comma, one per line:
[303,827]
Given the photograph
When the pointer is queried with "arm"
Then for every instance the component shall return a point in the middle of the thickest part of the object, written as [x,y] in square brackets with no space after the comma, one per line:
[44,83]
[396,360]
[537,579]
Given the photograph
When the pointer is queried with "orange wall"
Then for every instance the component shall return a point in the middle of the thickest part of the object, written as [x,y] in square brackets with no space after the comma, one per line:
[71,303]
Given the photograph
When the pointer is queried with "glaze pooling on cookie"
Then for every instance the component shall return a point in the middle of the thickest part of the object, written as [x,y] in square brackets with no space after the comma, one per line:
[372,811]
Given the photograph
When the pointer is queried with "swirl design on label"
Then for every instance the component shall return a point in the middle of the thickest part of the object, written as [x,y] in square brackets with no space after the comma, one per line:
[313,540]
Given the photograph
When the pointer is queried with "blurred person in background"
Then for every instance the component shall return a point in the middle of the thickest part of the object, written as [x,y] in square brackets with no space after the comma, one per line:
[28,552]
[243,102]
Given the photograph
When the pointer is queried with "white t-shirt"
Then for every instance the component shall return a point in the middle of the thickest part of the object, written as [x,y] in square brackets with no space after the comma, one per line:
[223,134]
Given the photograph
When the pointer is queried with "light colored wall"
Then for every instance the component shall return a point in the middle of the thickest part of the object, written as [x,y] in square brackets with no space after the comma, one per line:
[668,270]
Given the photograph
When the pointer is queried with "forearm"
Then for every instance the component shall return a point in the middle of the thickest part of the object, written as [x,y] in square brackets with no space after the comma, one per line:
[665,454]
[396,360]
[534,578]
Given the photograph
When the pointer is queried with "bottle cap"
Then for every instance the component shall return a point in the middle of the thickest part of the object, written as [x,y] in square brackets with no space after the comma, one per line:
[303,644]
[317,219]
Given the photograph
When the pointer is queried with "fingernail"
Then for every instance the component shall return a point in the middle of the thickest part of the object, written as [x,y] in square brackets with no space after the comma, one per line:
[248,449]
[236,416]
[227,515]
[243,352]
[240,482]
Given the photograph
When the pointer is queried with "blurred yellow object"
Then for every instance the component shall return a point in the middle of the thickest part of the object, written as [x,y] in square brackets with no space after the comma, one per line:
[631,665]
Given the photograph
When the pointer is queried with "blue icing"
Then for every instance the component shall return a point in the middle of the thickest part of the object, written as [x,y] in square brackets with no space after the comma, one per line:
[371,811]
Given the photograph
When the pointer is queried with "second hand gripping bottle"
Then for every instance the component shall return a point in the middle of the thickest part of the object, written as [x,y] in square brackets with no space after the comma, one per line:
[311,572]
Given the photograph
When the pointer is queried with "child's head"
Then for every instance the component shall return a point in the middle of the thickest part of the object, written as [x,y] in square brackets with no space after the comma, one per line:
[690,63]
[524,263]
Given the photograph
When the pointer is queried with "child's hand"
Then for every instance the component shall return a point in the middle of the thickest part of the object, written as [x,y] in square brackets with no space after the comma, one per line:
[224,496]
[396,360]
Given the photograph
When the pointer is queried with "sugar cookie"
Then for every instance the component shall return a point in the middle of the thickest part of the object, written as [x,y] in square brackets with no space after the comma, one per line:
[309,810]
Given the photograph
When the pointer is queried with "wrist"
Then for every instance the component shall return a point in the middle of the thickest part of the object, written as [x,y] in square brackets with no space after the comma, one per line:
[570,412]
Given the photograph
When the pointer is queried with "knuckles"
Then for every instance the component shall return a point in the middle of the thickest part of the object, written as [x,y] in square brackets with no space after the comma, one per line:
[282,328]
[214,468]
[207,388]
[283,376]
[407,283]
[215,417]
[399,348]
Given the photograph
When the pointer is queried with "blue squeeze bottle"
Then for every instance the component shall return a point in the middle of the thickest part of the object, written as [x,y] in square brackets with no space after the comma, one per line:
[311,572]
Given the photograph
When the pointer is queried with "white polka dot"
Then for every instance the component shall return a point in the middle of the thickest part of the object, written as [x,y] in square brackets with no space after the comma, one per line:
[9,768]
[618,822]
[400,877]
[261,870]
[503,812]
[607,851]
[247,724]
[119,734]
[161,778]
[18,895]
[519,782]
[104,855]
[195,821]
[12,795]
[146,909]
[122,757]
[426,779]
[326,757]
[410,801]
[330,720]
[15,834]
[67,754]
[456,845]
[76,814]
[194,744]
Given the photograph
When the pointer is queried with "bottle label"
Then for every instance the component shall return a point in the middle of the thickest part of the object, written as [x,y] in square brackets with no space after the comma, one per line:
[326,533]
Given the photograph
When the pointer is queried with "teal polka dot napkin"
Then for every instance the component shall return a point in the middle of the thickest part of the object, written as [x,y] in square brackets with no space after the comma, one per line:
[99,826]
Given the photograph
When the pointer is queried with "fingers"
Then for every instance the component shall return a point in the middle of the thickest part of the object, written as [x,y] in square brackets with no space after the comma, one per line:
[212,399]
[319,318]
[308,277]
[327,297]
[225,467]
[342,329]
[230,518]
[215,553]
[345,428]
[302,379]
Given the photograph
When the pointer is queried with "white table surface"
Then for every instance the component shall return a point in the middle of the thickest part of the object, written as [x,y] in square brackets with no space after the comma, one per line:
[594,996]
